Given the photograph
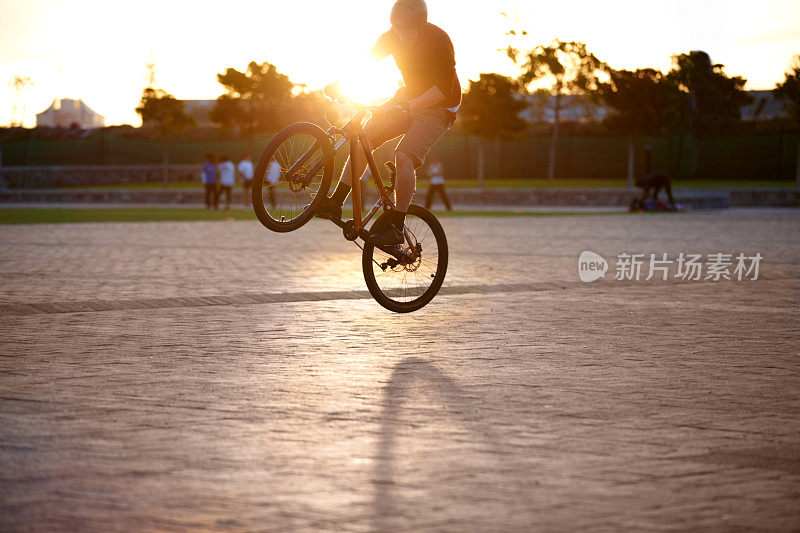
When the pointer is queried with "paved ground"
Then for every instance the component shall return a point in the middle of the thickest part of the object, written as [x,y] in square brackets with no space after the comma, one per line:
[438,204]
[179,376]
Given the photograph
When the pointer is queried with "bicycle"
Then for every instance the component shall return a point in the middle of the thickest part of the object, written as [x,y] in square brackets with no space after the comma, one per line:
[297,166]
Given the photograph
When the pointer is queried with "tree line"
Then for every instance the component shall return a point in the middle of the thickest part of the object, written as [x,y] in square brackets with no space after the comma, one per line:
[695,98]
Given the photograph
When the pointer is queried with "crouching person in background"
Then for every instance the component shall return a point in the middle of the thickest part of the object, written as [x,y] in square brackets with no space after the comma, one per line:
[655,181]
[209,175]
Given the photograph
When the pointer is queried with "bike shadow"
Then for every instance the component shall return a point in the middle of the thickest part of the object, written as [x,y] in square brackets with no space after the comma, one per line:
[453,487]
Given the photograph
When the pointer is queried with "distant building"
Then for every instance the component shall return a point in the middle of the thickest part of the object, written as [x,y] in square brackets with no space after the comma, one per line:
[573,108]
[582,109]
[199,110]
[65,113]
[764,107]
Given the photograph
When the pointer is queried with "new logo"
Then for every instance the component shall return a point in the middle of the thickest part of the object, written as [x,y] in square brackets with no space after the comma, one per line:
[591,266]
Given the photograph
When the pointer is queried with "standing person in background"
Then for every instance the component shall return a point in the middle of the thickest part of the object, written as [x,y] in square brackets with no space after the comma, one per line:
[436,173]
[227,179]
[245,168]
[273,176]
[209,174]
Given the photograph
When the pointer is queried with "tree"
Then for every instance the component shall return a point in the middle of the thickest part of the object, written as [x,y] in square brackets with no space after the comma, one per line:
[490,109]
[228,113]
[163,113]
[255,100]
[569,67]
[789,91]
[641,101]
[19,83]
[309,106]
[714,98]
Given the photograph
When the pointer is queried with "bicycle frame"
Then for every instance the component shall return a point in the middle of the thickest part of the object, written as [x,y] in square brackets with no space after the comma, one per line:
[404,255]
[384,201]
[353,132]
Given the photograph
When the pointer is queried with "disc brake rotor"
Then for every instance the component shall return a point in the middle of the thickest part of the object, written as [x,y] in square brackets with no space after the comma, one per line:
[297,184]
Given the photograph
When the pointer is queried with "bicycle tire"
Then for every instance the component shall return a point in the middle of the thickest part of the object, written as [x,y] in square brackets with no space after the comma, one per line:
[407,288]
[285,149]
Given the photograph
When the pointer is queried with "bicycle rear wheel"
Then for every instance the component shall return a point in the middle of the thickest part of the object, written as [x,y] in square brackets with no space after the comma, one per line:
[286,188]
[404,285]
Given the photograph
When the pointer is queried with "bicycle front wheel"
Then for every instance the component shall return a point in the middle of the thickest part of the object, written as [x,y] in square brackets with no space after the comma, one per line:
[405,285]
[289,181]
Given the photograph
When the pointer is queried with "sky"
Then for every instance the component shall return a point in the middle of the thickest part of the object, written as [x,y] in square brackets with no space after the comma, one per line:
[97,50]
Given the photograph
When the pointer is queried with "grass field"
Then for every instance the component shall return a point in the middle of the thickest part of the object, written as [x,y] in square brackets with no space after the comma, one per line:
[505,184]
[43,215]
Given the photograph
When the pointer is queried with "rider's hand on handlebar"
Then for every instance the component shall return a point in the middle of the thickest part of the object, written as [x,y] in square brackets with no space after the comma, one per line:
[390,109]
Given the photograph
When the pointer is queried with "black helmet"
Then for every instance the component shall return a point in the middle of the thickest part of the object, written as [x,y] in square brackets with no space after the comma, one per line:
[409,13]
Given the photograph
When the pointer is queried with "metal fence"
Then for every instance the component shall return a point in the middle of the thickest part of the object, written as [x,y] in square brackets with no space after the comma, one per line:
[753,157]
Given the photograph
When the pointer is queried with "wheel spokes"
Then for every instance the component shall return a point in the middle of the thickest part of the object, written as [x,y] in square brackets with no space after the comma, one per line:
[285,197]
[407,281]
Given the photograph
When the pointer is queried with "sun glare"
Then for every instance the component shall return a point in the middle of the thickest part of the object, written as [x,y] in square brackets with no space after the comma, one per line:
[369,81]
[318,42]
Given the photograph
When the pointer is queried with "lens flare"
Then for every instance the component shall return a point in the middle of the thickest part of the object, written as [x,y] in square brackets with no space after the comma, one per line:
[369,81]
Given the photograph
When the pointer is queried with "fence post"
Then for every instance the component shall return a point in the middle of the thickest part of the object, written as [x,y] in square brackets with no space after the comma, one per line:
[481,147]
[631,162]
[467,173]
[102,146]
[165,164]
[570,138]
[797,169]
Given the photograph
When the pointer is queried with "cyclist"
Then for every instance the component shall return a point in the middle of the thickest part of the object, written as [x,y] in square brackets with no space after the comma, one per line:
[422,110]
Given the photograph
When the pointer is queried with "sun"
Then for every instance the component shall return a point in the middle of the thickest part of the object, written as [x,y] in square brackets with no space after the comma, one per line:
[369,81]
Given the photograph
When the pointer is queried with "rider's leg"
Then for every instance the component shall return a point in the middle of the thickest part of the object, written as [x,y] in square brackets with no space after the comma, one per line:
[404,190]
[346,179]
[426,127]
[406,182]
[378,130]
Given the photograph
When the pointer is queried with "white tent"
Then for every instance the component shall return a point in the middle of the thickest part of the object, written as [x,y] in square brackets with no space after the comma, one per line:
[64,112]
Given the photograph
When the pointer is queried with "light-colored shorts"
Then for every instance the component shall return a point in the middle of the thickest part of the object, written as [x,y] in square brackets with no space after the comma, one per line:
[420,131]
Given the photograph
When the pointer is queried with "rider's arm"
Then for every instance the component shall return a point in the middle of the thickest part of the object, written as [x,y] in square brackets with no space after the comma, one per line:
[444,64]
[429,98]
[381,47]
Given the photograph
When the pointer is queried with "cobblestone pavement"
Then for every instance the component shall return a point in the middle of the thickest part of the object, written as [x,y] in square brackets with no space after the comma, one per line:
[216,376]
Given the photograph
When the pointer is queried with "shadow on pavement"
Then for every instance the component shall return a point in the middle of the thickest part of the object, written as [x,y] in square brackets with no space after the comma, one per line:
[467,481]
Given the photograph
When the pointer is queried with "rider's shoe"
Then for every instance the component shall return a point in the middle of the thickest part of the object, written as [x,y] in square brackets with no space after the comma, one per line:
[388,236]
[328,209]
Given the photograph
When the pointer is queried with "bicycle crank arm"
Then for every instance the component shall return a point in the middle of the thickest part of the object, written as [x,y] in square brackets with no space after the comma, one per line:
[366,236]
[394,251]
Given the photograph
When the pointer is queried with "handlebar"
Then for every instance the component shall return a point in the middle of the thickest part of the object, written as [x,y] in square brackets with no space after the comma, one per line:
[333,92]
[359,107]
